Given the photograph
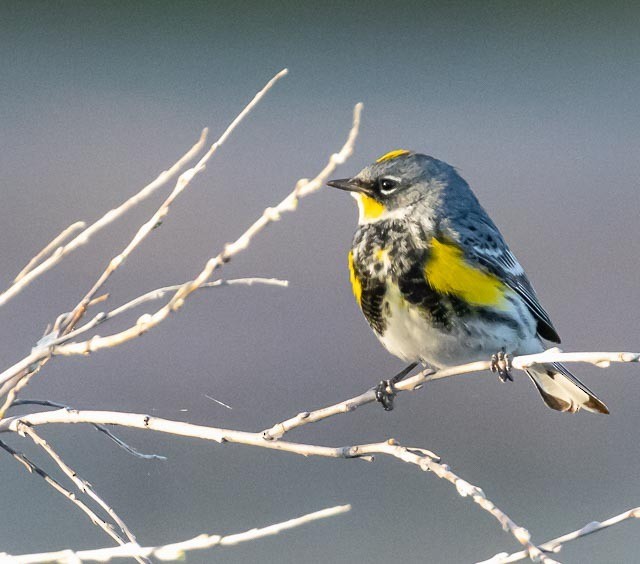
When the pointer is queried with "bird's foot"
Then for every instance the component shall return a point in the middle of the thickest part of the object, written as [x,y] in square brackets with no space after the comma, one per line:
[385,394]
[385,390]
[501,363]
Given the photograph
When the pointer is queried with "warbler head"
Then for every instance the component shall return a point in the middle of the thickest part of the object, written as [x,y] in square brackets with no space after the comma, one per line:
[397,182]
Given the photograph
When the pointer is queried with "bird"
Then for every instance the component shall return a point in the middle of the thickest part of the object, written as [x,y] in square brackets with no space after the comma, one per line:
[437,283]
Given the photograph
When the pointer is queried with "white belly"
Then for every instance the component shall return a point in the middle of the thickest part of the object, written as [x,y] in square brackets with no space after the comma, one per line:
[409,336]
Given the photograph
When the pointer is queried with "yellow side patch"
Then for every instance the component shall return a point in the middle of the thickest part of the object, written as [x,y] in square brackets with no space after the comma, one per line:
[371,209]
[392,155]
[448,272]
[356,285]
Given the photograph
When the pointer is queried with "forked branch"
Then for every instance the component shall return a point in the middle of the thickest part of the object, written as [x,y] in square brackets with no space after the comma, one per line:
[10,378]
[555,545]
[422,458]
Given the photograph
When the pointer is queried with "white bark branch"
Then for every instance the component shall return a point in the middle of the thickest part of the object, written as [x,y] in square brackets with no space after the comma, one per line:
[109,217]
[555,545]
[422,458]
[81,484]
[600,359]
[34,469]
[183,181]
[175,551]
[303,188]
[16,377]
[58,240]
[160,293]
[425,461]
[101,428]
[10,378]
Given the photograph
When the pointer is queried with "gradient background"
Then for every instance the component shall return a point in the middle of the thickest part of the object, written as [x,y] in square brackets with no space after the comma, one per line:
[536,103]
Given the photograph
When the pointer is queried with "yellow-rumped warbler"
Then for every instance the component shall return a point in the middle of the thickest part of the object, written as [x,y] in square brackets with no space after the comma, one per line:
[438,284]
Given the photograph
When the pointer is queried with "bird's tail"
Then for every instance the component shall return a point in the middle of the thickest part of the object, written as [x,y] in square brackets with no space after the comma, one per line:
[562,391]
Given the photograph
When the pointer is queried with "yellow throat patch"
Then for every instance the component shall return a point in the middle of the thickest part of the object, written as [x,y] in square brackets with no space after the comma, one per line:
[392,155]
[369,208]
[356,285]
[448,272]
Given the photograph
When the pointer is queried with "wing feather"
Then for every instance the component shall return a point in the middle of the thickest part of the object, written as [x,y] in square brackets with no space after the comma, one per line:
[483,244]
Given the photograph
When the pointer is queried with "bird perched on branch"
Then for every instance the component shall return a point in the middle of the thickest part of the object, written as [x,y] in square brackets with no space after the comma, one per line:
[438,284]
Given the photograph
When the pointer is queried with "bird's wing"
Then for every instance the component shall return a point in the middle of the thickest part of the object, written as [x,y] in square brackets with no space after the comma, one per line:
[483,245]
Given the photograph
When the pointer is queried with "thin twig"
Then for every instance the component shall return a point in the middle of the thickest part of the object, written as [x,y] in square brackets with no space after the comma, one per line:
[58,240]
[105,220]
[555,545]
[82,485]
[146,322]
[128,448]
[11,383]
[161,292]
[34,469]
[22,376]
[17,382]
[303,188]
[183,181]
[158,294]
[175,551]
[117,440]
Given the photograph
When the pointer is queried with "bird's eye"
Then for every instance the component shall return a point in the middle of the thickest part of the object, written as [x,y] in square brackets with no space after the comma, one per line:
[387,185]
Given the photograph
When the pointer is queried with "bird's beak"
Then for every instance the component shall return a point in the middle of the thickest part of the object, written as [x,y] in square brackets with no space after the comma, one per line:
[351,185]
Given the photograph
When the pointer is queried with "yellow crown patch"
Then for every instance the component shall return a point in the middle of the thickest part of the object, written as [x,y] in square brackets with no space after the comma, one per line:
[392,155]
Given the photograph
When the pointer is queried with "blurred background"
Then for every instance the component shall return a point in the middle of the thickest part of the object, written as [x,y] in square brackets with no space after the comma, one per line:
[535,103]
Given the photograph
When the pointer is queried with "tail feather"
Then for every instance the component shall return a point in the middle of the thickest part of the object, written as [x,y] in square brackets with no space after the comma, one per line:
[562,391]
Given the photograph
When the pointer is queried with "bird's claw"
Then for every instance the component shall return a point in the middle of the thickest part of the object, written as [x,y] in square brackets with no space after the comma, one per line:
[501,363]
[385,394]
[385,390]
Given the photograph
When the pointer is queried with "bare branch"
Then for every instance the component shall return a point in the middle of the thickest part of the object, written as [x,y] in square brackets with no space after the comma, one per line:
[18,376]
[82,485]
[174,551]
[265,439]
[34,469]
[117,440]
[58,240]
[150,423]
[148,321]
[600,359]
[105,220]
[420,457]
[183,181]
[425,460]
[161,292]
[158,294]
[17,382]
[556,544]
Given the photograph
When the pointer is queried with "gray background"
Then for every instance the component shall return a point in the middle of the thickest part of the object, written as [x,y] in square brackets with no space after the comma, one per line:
[536,103]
